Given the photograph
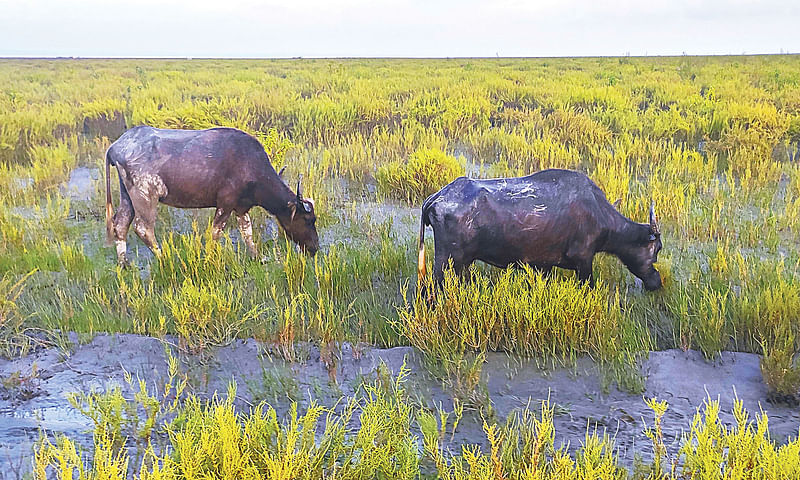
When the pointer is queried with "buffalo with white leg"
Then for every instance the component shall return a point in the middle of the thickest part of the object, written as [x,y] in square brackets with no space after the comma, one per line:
[223,168]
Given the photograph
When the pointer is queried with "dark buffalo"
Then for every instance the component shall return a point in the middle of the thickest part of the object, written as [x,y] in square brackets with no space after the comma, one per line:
[553,218]
[219,167]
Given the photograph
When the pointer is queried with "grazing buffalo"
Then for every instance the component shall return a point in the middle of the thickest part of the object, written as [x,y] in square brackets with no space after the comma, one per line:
[219,167]
[553,218]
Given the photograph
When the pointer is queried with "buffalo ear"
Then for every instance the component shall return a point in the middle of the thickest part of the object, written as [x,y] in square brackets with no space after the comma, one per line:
[280,173]
[617,203]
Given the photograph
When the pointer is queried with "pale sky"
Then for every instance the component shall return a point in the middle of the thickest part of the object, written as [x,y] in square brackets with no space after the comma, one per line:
[394,28]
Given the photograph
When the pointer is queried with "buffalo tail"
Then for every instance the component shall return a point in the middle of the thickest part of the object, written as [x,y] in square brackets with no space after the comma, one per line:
[109,208]
[421,271]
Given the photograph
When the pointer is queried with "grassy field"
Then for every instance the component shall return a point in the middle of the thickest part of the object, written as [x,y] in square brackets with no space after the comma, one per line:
[714,142]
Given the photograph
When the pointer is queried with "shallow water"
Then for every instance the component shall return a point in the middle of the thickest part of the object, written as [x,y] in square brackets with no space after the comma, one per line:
[80,185]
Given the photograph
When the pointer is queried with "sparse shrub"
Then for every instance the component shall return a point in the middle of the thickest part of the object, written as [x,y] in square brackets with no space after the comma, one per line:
[119,422]
[710,316]
[50,165]
[424,174]
[194,256]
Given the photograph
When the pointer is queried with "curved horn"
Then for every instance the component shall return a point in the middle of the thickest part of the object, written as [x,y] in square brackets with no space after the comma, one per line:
[653,222]
[283,169]
[299,191]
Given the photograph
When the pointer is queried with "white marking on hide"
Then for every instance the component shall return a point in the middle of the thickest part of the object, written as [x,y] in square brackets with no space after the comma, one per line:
[525,191]
[537,209]
[150,186]
[444,205]
[246,228]
[139,227]
[121,248]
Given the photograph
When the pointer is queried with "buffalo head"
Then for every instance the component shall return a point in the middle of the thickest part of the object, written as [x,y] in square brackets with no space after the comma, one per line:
[300,222]
[641,252]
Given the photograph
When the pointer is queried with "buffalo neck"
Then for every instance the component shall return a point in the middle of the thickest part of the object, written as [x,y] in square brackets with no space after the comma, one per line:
[624,233]
[274,196]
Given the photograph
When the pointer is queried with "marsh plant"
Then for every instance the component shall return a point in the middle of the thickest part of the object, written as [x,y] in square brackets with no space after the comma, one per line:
[13,331]
[520,312]
[425,172]
[379,434]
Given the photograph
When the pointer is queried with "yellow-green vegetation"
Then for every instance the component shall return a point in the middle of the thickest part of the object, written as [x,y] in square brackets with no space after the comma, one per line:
[379,434]
[13,338]
[713,141]
[424,174]
[521,313]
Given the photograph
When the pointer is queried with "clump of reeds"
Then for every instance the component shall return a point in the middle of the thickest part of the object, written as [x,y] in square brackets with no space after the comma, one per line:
[517,311]
[425,173]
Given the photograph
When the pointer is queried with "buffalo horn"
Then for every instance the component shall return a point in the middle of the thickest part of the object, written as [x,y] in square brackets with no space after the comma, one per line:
[653,223]
[299,192]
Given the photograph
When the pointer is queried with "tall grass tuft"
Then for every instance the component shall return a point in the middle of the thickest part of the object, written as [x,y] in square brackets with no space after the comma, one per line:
[13,338]
[425,173]
[519,312]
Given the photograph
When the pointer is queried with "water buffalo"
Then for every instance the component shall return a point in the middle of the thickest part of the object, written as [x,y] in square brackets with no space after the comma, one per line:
[553,218]
[219,167]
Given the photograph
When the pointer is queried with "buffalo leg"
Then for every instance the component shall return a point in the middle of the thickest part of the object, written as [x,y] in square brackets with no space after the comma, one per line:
[440,262]
[438,267]
[144,221]
[246,229]
[121,222]
[584,272]
[218,225]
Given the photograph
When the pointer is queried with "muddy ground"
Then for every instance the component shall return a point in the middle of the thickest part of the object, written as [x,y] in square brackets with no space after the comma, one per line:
[36,400]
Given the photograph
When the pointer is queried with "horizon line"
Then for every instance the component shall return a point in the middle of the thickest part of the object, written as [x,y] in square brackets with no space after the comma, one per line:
[300,57]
